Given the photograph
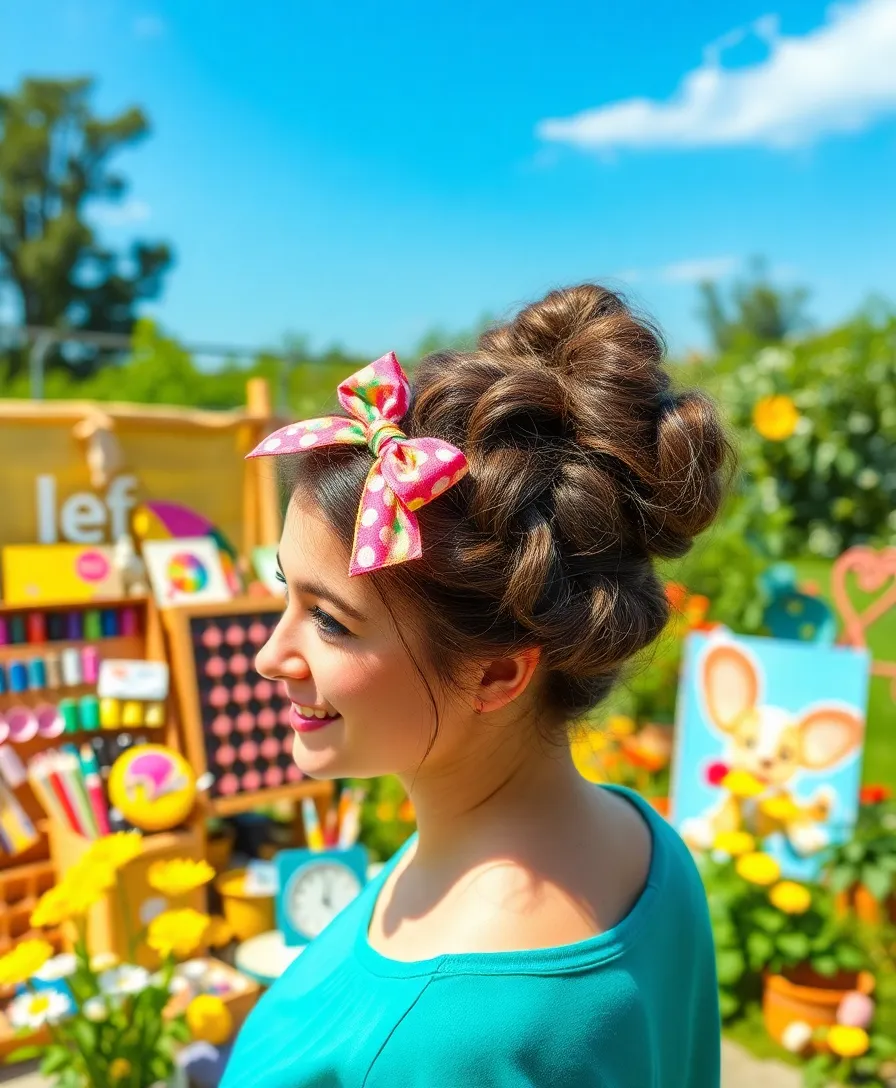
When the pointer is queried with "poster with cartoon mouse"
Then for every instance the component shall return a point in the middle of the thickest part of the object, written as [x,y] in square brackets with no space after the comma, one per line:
[769,740]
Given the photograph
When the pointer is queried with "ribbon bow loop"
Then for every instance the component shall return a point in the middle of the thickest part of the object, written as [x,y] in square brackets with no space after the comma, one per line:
[406,473]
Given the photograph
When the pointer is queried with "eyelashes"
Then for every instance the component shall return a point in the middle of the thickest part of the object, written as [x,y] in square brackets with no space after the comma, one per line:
[326,624]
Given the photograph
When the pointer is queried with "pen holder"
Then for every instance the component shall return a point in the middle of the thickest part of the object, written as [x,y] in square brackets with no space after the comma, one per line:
[107,924]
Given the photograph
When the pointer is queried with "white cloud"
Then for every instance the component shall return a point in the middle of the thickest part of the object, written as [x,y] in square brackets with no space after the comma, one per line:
[690,271]
[120,215]
[838,78]
[700,268]
[149,26]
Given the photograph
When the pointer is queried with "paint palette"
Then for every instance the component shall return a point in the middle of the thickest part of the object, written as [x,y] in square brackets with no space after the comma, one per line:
[245,718]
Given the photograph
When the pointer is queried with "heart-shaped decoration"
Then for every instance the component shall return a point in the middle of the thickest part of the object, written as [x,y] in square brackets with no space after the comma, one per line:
[875,576]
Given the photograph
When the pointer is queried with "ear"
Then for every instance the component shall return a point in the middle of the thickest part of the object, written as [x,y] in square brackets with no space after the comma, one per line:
[827,734]
[505,679]
[730,686]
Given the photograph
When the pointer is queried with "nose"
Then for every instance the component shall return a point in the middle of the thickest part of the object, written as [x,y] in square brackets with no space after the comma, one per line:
[280,658]
[766,762]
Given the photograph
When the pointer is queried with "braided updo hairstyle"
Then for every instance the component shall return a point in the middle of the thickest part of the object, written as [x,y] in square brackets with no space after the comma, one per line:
[584,466]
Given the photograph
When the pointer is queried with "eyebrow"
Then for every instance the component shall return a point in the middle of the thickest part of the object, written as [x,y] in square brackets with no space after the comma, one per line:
[310,589]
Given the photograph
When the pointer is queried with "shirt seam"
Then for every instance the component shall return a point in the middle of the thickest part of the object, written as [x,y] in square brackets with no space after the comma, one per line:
[407,1012]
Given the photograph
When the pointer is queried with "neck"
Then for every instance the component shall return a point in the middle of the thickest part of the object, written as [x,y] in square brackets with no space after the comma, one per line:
[507,786]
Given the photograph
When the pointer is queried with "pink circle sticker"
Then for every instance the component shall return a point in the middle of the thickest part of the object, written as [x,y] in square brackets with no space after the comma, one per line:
[92,566]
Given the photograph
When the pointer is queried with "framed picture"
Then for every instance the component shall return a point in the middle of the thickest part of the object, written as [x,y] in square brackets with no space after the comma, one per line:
[186,571]
[769,740]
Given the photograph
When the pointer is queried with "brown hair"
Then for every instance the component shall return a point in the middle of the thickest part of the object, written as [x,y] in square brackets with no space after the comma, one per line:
[584,465]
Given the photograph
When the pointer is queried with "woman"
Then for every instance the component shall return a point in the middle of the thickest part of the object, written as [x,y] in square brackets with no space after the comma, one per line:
[468,569]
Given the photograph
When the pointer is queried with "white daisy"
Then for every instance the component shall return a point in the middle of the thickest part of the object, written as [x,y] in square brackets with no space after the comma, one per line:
[95,1009]
[33,1010]
[128,978]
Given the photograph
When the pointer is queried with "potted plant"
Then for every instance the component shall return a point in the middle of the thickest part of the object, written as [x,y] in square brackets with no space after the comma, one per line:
[853,1050]
[776,938]
[861,873]
[110,1023]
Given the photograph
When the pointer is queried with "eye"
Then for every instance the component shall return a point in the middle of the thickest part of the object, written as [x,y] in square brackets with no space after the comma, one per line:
[786,754]
[326,624]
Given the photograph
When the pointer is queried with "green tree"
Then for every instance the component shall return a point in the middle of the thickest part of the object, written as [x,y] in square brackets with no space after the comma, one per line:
[756,313]
[54,154]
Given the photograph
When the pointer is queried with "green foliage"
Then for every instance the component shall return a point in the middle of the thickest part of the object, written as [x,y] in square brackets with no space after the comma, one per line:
[54,154]
[386,823]
[869,857]
[757,312]
[831,484]
[753,936]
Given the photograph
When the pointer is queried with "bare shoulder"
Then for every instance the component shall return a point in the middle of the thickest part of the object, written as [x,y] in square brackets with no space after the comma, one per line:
[542,892]
[585,886]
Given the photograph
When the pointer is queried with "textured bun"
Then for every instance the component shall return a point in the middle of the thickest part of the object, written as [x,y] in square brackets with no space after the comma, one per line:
[583,467]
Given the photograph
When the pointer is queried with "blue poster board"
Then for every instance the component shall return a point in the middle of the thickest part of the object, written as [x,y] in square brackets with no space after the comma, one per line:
[789,719]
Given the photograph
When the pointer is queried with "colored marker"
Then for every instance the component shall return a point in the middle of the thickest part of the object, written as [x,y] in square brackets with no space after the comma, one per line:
[130,622]
[37,674]
[17,629]
[90,664]
[93,624]
[109,623]
[94,784]
[37,627]
[313,834]
[4,632]
[54,670]
[56,626]
[71,667]
[74,626]
[18,676]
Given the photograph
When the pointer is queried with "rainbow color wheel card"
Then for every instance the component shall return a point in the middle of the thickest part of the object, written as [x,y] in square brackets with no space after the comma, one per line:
[185,571]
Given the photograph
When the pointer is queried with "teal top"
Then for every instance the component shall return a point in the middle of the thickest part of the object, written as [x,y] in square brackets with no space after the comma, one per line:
[634,1007]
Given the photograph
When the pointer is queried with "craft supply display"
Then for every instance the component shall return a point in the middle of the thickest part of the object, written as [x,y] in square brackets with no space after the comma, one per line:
[236,722]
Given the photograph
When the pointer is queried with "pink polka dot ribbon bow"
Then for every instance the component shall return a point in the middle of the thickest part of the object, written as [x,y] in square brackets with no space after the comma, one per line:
[406,474]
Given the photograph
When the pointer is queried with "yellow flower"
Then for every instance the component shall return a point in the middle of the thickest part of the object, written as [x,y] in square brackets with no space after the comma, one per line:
[209,1019]
[775,418]
[116,850]
[734,843]
[25,960]
[179,876]
[848,1042]
[177,932]
[52,908]
[219,932]
[119,1068]
[790,897]
[758,868]
[742,784]
[98,875]
[621,725]
[781,809]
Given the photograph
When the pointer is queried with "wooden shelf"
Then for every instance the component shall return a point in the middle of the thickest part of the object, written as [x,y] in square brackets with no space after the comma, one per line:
[71,606]
[245,802]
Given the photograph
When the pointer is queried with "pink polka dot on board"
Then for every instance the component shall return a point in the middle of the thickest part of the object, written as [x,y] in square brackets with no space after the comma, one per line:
[235,635]
[267,718]
[293,774]
[287,744]
[238,664]
[215,667]
[211,638]
[258,634]
[270,747]
[242,693]
[245,721]
[228,785]
[264,690]
[283,717]
[248,751]
[222,726]
[225,755]
[273,776]
[251,781]
[218,697]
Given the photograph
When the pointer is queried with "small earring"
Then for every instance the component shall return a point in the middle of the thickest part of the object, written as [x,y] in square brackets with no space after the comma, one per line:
[477,706]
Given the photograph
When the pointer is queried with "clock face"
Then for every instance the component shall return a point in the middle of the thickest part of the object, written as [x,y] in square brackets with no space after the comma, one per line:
[317,893]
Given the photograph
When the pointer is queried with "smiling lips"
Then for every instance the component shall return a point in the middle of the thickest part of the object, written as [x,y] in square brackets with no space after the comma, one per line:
[305,719]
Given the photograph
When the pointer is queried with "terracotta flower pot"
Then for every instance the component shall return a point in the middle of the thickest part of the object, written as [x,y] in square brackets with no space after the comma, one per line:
[802,994]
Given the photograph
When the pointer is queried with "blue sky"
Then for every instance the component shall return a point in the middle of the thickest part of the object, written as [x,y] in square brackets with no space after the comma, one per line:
[362,172]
